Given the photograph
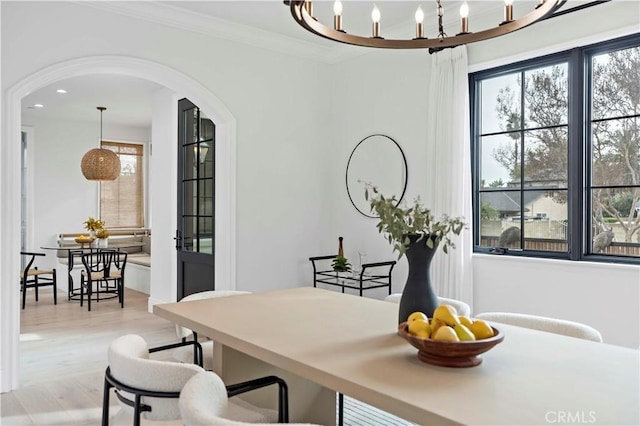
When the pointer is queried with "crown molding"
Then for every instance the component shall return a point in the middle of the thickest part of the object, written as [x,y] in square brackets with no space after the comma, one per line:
[176,17]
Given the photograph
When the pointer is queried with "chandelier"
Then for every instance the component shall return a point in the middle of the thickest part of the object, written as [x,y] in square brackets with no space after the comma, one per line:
[99,163]
[302,12]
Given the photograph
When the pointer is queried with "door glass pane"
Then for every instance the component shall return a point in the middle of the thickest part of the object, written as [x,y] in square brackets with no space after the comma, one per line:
[206,199]
[188,233]
[206,235]
[190,202]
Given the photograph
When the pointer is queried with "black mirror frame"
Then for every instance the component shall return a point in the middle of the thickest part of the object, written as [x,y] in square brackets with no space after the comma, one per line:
[406,172]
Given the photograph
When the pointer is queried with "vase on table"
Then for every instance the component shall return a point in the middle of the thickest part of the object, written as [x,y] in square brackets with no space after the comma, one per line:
[418,294]
[103,242]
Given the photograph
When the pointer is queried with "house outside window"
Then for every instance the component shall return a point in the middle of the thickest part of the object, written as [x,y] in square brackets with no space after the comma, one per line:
[556,150]
[122,200]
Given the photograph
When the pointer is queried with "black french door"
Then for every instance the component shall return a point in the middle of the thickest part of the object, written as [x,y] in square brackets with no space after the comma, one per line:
[195,237]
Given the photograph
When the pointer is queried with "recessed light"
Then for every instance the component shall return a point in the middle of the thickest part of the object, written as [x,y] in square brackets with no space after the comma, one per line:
[38,105]
[61,91]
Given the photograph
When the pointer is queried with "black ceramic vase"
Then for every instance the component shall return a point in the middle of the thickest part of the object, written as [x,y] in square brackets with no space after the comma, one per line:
[418,294]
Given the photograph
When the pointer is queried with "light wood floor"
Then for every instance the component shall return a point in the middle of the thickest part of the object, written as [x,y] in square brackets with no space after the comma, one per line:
[63,355]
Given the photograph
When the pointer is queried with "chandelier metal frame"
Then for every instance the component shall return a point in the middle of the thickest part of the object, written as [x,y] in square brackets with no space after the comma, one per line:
[302,14]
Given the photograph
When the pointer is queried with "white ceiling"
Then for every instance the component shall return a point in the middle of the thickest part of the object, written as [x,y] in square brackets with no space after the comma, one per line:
[128,100]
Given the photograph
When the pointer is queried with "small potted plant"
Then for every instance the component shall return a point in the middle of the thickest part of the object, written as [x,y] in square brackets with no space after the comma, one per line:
[340,263]
[102,235]
[92,224]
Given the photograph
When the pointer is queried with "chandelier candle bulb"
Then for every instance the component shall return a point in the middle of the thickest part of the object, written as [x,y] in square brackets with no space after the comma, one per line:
[337,17]
[508,11]
[419,23]
[464,18]
[309,6]
[375,17]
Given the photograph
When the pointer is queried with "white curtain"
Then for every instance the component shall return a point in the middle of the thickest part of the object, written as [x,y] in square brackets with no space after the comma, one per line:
[448,189]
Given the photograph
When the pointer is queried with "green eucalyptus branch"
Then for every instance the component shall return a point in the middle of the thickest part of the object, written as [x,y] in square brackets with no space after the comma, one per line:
[397,222]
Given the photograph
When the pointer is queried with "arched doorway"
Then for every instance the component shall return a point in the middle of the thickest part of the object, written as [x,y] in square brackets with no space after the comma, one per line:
[10,177]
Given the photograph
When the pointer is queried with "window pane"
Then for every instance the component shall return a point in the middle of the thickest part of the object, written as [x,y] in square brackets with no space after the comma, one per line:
[498,210]
[206,197]
[615,221]
[616,83]
[500,104]
[545,221]
[189,195]
[546,96]
[500,161]
[616,152]
[546,158]
[206,235]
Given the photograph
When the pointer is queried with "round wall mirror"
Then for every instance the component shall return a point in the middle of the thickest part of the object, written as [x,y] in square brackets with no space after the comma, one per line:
[379,160]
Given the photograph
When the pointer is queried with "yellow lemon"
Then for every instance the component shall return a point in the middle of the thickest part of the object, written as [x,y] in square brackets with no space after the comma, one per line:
[466,321]
[447,314]
[435,325]
[417,315]
[420,327]
[481,329]
[446,334]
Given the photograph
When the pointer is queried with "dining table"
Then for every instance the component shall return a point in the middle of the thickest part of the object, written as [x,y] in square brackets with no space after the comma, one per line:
[325,343]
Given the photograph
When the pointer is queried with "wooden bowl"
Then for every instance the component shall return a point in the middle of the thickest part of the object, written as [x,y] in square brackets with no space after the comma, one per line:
[450,354]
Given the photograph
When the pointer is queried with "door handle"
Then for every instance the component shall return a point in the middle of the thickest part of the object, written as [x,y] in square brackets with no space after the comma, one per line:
[178,239]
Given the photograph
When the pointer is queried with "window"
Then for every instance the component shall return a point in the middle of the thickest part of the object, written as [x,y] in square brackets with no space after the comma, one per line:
[122,200]
[556,149]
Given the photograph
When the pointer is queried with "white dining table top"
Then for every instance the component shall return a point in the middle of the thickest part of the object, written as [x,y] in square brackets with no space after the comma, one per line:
[349,344]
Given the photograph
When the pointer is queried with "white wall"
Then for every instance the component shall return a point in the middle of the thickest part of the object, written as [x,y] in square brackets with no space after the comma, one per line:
[385,91]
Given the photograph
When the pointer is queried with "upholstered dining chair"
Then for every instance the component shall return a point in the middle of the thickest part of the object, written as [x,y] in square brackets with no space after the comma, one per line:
[202,352]
[204,401]
[152,386]
[551,325]
[461,307]
[32,277]
[103,274]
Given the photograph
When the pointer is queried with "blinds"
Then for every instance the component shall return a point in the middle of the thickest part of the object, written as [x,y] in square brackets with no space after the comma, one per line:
[122,200]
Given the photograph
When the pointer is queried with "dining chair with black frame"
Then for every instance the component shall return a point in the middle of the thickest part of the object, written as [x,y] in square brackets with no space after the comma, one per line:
[32,277]
[104,269]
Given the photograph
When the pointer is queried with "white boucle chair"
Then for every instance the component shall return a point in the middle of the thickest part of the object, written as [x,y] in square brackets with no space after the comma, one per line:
[551,325]
[151,387]
[462,308]
[185,354]
[204,401]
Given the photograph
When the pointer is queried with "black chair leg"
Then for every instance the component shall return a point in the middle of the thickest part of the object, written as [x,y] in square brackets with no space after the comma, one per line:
[137,409]
[36,286]
[105,403]
[55,288]
[24,294]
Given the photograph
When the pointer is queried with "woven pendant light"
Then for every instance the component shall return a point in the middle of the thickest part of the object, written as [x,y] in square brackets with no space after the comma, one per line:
[100,163]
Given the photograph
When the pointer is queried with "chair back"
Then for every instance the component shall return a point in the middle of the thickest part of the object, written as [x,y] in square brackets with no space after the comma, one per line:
[551,325]
[203,400]
[130,364]
[104,263]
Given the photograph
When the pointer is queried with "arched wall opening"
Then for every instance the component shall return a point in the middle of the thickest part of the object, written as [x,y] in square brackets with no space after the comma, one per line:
[175,81]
